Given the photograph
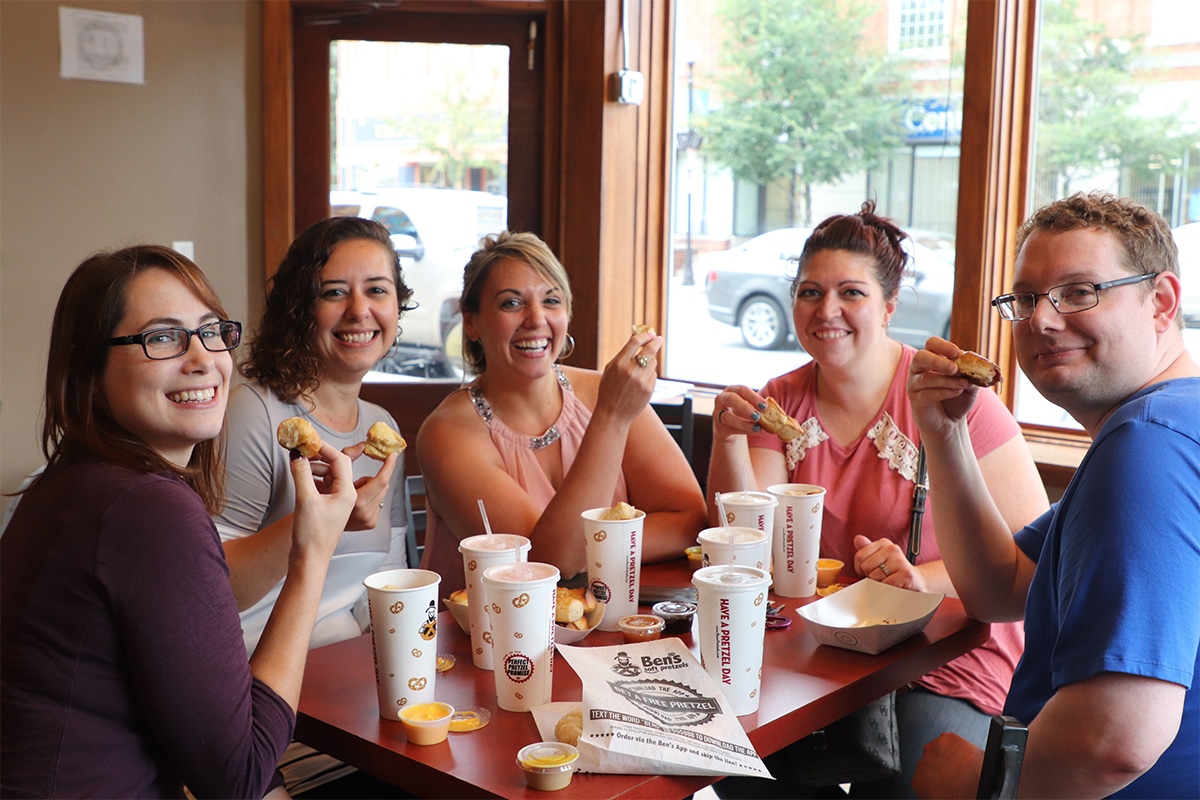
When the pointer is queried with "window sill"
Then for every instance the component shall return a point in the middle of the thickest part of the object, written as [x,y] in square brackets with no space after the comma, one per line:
[1057,454]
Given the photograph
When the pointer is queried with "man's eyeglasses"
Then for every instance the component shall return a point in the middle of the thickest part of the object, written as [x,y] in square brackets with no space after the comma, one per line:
[1066,299]
[163,343]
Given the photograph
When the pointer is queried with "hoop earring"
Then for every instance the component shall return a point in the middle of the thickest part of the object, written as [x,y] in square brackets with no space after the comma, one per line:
[568,348]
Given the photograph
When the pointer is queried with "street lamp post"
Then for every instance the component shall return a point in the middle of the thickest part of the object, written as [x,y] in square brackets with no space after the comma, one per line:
[688,142]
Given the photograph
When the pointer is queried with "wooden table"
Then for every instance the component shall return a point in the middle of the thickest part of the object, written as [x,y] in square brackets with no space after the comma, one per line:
[805,687]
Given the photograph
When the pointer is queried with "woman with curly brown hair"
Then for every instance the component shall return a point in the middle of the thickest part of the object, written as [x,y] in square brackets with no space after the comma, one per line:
[332,312]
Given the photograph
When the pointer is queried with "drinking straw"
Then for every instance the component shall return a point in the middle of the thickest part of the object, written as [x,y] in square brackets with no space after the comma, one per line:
[721,510]
[486,525]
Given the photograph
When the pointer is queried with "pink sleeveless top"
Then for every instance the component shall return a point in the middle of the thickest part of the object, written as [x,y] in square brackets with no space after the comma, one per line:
[517,450]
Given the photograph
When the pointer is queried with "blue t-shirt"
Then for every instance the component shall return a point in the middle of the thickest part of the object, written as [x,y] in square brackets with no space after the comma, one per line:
[1117,585]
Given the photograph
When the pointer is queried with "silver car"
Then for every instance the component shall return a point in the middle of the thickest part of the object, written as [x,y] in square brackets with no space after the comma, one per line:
[749,287]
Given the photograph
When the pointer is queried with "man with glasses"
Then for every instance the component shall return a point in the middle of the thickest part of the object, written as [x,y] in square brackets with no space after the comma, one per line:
[1108,580]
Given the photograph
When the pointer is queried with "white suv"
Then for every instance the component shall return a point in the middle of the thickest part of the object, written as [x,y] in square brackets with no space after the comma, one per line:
[435,231]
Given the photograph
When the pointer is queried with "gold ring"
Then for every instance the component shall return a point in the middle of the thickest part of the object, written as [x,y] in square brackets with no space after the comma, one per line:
[641,360]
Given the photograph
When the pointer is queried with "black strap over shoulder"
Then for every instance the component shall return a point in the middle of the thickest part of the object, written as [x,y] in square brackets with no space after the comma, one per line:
[920,490]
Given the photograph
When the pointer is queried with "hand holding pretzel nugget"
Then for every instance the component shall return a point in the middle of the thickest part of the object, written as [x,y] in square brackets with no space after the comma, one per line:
[299,437]
[936,383]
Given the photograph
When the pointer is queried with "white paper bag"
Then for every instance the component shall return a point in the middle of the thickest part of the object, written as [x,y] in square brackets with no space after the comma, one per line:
[651,709]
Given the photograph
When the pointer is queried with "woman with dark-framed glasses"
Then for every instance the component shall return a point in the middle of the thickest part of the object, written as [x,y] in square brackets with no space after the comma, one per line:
[122,669]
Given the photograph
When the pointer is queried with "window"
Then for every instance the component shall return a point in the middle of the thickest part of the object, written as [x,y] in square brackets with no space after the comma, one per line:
[919,25]
[758,85]
[1113,113]
[417,132]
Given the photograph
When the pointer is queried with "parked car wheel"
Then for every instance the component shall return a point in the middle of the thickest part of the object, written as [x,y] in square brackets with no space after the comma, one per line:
[763,323]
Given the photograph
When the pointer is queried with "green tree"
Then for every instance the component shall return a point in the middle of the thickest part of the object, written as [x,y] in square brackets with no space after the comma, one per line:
[801,96]
[460,131]
[1089,113]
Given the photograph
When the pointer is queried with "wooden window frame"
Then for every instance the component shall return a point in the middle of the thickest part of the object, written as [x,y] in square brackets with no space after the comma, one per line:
[606,166]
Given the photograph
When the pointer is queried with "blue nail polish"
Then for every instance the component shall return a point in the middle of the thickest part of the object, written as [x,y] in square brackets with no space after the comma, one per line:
[762,406]
[754,416]
[757,429]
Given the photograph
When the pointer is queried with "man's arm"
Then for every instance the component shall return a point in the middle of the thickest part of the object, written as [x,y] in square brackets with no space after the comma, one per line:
[1091,739]
[991,573]
[1096,736]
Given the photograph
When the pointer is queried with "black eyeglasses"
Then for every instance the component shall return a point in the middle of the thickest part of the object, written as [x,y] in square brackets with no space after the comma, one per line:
[163,343]
[1066,299]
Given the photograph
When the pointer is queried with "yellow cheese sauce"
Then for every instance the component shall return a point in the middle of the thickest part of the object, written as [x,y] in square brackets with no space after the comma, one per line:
[467,721]
[555,760]
[425,712]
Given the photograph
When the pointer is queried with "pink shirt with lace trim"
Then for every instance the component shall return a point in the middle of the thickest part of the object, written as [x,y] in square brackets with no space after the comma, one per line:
[441,546]
[869,490]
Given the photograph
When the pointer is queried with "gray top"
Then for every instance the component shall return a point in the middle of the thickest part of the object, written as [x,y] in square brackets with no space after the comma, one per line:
[260,491]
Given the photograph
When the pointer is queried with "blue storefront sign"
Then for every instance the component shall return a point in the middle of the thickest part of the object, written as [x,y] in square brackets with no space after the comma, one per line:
[932,122]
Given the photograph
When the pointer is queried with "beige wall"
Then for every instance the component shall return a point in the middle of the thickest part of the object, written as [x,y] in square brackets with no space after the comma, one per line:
[89,165]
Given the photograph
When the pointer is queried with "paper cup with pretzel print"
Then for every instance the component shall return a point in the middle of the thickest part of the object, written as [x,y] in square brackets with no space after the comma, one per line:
[520,598]
[404,608]
[614,563]
[749,547]
[797,540]
[479,553]
[731,618]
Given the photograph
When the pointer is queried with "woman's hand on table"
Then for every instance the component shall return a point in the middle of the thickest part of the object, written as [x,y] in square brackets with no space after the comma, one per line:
[736,411]
[882,560]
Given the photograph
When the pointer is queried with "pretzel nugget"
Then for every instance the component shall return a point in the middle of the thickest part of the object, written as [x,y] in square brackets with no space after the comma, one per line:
[570,727]
[776,421]
[977,369]
[642,327]
[568,606]
[621,511]
[299,436]
[382,441]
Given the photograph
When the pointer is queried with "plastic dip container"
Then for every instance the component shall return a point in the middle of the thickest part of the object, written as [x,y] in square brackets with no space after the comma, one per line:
[548,766]
[426,723]
[676,616]
[828,571]
[695,557]
[469,719]
[641,627]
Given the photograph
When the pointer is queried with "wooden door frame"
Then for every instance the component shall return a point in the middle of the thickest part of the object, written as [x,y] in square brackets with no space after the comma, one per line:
[604,168]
